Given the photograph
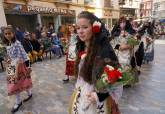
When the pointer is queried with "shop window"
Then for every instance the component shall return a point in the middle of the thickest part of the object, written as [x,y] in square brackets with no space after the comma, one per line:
[109,23]
[114,21]
[130,2]
[67,20]
[121,2]
[107,3]
[46,20]
[103,20]
[65,0]
[88,1]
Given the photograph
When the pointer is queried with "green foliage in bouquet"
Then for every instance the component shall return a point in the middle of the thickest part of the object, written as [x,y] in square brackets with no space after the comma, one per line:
[132,41]
[127,77]
[101,83]
[2,50]
[110,76]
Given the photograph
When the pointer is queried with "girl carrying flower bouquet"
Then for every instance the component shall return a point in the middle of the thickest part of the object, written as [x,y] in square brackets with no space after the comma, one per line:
[94,53]
[124,43]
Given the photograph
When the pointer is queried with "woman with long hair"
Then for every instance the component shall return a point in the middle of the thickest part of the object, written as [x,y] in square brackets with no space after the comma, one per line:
[17,70]
[93,53]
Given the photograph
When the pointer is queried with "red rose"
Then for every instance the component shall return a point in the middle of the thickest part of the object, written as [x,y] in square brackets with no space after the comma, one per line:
[96,29]
[113,76]
[106,70]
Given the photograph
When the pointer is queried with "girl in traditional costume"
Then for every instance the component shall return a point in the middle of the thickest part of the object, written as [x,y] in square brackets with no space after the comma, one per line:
[71,53]
[17,68]
[93,53]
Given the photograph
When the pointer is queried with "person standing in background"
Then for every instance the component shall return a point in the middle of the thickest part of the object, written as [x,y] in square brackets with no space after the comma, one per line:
[71,53]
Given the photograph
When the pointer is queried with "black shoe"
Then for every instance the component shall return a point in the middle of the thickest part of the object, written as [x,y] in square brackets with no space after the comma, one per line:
[58,56]
[66,80]
[28,98]
[17,108]
[139,72]
[39,59]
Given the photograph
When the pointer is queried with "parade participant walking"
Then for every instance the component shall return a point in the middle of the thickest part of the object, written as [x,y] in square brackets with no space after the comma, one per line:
[94,53]
[147,33]
[17,70]
[71,54]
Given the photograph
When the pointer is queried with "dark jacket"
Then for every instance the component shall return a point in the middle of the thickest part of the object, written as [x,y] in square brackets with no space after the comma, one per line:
[106,55]
[27,45]
[36,45]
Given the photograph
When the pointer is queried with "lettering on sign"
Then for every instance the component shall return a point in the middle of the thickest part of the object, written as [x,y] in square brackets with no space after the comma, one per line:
[39,9]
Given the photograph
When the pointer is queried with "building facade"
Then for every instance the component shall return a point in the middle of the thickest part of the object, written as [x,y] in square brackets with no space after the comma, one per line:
[28,13]
[158,11]
[146,7]
[130,8]
[107,10]
[2,15]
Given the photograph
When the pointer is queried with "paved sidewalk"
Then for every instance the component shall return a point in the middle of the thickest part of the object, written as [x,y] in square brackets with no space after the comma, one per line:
[51,96]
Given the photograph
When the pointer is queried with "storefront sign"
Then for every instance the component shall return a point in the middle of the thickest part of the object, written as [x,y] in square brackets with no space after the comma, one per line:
[19,8]
[39,9]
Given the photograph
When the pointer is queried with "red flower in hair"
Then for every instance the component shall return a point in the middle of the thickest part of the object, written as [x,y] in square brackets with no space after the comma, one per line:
[96,27]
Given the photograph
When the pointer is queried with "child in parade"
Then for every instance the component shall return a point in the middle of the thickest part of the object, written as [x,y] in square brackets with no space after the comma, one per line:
[17,68]
[71,54]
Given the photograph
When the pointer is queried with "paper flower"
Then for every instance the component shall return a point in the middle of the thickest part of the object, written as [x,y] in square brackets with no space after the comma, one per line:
[96,27]
[109,77]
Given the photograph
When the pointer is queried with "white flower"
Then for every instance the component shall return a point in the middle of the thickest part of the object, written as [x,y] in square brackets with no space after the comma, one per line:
[105,79]
[120,77]
[110,67]
[119,69]
[97,23]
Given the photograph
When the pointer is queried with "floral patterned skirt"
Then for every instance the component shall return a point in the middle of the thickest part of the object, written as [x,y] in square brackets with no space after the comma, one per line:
[20,82]
[76,105]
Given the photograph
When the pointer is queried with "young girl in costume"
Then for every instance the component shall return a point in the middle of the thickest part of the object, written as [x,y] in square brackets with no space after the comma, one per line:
[71,54]
[17,68]
[93,53]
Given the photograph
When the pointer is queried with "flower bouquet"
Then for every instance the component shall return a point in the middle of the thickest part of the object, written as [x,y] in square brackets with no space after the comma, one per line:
[112,77]
[109,77]
[127,77]
[132,41]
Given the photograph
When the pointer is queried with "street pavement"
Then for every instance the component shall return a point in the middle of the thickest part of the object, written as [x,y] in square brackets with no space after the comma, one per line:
[51,96]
